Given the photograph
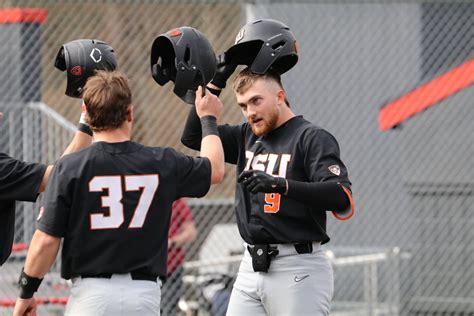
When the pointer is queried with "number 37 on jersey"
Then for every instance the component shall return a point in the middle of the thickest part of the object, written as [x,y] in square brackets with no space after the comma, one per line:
[148,184]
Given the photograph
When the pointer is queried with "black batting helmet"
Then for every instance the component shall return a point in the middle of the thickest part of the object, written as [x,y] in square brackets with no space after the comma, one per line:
[81,58]
[265,44]
[184,56]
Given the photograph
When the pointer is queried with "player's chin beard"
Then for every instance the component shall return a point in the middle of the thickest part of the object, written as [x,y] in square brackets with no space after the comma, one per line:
[267,126]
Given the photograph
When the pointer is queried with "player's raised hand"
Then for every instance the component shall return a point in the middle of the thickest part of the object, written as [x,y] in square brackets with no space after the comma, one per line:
[258,181]
[225,68]
[207,103]
[25,307]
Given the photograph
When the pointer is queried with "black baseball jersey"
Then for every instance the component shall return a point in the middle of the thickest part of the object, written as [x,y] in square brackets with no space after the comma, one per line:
[111,203]
[19,181]
[297,150]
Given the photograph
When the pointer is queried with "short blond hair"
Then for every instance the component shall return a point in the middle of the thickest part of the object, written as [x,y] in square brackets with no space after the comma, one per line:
[246,78]
[107,97]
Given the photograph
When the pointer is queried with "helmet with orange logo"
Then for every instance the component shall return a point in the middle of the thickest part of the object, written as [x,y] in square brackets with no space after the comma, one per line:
[265,44]
[184,56]
[81,58]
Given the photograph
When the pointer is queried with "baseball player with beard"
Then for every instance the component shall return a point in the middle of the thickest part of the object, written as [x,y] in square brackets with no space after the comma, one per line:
[290,175]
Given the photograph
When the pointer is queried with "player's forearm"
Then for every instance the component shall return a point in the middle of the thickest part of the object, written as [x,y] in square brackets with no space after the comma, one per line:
[192,132]
[81,140]
[45,179]
[41,254]
[319,195]
[211,147]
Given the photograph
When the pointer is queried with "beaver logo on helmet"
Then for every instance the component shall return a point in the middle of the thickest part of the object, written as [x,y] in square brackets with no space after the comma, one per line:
[184,56]
[76,71]
[80,59]
[240,35]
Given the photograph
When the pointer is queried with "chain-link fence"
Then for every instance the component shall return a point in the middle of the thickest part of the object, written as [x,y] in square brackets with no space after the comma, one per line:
[408,249]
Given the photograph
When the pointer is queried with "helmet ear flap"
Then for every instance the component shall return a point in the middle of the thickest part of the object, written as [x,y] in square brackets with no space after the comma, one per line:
[185,78]
[161,75]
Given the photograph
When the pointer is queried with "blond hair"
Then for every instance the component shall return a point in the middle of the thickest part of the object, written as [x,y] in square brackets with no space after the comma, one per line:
[246,78]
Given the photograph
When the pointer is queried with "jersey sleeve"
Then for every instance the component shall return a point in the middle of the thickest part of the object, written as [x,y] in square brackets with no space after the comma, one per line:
[19,180]
[322,158]
[54,213]
[323,163]
[230,136]
[194,176]
[7,226]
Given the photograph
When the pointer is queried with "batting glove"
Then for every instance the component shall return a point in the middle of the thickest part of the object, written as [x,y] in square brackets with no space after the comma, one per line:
[258,181]
[225,69]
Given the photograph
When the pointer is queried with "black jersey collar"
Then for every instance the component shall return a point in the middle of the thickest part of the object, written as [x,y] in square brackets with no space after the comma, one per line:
[284,125]
[119,148]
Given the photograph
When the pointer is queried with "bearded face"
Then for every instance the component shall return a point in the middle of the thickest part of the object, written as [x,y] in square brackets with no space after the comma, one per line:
[259,104]
[263,123]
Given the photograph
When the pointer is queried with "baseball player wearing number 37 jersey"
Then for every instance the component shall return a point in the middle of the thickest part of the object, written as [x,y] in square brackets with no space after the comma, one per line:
[289,174]
[111,202]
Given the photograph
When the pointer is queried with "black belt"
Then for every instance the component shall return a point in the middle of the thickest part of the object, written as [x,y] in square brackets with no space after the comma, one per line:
[139,276]
[304,248]
[300,248]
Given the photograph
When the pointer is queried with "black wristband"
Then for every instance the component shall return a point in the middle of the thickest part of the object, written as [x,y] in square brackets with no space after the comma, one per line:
[84,128]
[216,92]
[209,126]
[28,285]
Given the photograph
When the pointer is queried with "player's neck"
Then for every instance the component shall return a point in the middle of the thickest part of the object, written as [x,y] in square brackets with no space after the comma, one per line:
[285,115]
[118,135]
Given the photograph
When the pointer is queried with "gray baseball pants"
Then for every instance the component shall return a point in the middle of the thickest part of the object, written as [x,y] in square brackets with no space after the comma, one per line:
[119,295]
[295,284]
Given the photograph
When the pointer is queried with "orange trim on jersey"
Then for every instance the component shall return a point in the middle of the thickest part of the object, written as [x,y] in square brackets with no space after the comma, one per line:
[426,95]
[23,15]
[349,195]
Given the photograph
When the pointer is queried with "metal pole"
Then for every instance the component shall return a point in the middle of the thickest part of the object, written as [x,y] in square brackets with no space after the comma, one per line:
[367,290]
[373,287]
[25,129]
[396,281]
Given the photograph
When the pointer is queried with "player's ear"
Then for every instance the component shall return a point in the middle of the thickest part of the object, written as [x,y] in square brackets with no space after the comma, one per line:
[281,96]
[130,113]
